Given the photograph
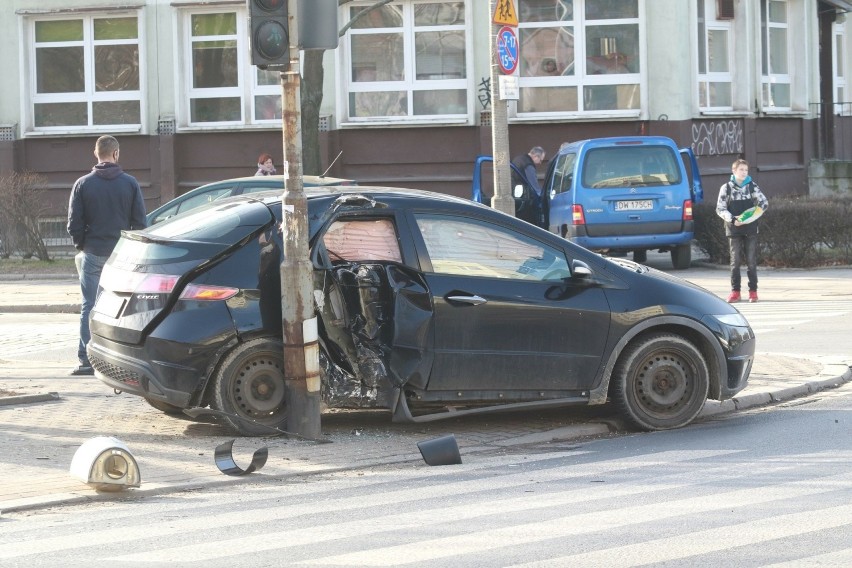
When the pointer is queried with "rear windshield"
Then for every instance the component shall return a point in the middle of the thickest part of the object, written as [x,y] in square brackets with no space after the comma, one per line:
[223,222]
[631,166]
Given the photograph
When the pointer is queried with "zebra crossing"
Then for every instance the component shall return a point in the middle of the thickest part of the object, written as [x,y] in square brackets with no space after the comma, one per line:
[566,508]
[766,317]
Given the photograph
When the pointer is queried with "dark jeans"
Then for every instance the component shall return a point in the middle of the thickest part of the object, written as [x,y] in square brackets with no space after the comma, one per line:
[89,268]
[743,245]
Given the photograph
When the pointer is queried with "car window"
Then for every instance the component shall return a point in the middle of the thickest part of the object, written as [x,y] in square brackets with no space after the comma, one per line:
[204,197]
[362,240]
[563,174]
[631,166]
[468,247]
[256,188]
[165,214]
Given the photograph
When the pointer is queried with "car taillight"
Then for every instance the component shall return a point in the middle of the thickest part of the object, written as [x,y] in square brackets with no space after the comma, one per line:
[208,293]
[577,216]
[156,284]
[687,210]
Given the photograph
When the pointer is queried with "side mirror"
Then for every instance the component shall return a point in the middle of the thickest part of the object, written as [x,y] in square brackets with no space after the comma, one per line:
[580,269]
[518,191]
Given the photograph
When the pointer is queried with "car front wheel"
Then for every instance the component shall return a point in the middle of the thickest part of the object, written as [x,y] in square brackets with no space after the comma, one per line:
[249,387]
[660,382]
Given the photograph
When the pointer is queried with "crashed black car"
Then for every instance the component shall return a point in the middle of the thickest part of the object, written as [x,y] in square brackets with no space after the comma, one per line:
[425,304]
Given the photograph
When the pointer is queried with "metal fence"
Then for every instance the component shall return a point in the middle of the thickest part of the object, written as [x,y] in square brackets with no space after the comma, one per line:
[834,130]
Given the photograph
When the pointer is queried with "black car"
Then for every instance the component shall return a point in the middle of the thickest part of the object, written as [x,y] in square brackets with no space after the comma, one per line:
[424,303]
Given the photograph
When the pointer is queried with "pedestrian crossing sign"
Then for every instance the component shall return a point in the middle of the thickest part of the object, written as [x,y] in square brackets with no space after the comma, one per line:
[504,13]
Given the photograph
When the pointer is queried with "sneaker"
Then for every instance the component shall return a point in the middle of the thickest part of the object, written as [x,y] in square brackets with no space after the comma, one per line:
[734,297]
[752,296]
[82,370]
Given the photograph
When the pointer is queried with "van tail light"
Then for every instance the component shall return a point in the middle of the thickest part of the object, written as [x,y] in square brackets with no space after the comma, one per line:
[577,216]
[208,293]
[687,210]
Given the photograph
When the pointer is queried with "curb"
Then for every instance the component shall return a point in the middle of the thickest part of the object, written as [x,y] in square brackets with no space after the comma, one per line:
[42,309]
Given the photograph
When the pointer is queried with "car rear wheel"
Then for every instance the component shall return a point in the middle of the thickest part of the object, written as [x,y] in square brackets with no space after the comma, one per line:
[249,386]
[660,382]
[682,257]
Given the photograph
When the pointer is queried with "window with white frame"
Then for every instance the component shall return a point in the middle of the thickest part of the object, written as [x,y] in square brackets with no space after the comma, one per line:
[775,64]
[220,85]
[86,72]
[579,56]
[715,45]
[838,66]
[408,60]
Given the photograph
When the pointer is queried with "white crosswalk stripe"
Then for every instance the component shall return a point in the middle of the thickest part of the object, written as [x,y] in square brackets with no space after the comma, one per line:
[770,316]
[375,520]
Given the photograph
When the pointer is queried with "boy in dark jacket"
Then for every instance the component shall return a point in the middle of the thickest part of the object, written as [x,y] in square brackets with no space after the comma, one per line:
[739,194]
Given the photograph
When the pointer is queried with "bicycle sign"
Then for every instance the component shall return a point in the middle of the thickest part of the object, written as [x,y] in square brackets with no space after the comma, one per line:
[507,50]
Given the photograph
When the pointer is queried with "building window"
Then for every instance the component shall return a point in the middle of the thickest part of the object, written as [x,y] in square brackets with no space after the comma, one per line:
[408,60]
[775,65]
[87,72]
[715,79]
[579,56]
[843,103]
[222,87]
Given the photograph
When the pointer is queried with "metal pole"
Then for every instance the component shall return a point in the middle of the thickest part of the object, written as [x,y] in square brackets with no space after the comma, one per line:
[298,321]
[502,200]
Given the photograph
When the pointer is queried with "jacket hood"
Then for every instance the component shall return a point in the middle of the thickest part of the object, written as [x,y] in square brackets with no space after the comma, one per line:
[745,182]
[107,170]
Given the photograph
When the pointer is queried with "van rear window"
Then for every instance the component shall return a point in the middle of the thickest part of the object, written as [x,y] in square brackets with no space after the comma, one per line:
[632,166]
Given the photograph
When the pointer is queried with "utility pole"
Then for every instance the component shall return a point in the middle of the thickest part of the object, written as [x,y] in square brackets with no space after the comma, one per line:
[298,320]
[502,200]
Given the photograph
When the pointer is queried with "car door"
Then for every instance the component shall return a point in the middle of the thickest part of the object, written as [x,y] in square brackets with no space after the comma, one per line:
[507,314]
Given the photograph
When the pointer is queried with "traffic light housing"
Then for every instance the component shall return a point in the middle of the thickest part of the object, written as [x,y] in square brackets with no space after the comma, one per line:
[270,37]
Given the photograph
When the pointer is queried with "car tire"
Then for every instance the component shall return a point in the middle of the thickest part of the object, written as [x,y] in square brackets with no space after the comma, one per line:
[165,407]
[660,382]
[682,257]
[640,256]
[249,386]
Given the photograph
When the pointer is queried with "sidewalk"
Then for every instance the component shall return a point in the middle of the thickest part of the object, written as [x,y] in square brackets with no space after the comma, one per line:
[40,432]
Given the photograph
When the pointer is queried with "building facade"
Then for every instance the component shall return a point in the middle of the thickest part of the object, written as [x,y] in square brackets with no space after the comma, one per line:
[406,96]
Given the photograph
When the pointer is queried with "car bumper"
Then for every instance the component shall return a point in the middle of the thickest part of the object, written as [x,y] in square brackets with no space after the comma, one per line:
[143,371]
[578,235]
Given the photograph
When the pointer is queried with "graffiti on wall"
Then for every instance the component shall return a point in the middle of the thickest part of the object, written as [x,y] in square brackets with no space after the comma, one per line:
[484,92]
[714,138]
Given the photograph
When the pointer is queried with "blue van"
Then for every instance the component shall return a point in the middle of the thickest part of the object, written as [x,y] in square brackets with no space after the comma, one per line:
[624,194]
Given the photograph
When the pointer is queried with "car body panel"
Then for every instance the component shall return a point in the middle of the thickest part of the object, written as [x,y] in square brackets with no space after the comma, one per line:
[403,322]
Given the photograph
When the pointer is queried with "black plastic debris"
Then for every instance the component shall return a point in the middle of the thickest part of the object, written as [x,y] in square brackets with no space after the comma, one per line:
[224,457]
[440,451]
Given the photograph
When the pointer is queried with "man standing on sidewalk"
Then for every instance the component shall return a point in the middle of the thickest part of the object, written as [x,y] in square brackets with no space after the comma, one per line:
[103,203]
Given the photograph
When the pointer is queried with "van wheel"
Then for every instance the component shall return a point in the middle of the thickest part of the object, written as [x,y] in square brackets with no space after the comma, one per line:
[682,257]
[640,256]
[660,382]
[250,384]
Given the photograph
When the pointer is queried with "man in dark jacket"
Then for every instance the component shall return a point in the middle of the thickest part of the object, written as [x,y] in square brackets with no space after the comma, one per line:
[103,203]
[738,195]
[530,207]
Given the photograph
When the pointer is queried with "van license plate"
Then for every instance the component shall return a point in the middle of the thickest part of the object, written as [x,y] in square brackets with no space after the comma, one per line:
[634,205]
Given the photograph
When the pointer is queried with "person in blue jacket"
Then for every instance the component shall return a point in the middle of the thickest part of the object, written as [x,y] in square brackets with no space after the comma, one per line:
[103,203]
[737,195]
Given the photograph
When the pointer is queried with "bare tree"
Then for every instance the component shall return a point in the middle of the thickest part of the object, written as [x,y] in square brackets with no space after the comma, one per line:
[23,201]
[311,94]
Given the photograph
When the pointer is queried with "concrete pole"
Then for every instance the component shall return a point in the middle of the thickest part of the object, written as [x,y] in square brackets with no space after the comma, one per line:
[298,320]
[502,200]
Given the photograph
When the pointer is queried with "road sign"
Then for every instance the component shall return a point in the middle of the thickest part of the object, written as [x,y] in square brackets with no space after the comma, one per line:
[504,13]
[507,50]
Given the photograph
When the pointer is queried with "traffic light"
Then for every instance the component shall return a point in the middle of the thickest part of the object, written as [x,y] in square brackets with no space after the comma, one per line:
[270,38]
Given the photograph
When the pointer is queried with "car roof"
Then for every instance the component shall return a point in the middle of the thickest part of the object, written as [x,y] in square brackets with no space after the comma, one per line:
[316,180]
[615,141]
[318,192]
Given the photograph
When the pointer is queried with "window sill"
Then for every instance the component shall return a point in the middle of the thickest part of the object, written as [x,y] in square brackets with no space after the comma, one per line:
[731,113]
[785,113]
[83,131]
[544,118]
[394,122]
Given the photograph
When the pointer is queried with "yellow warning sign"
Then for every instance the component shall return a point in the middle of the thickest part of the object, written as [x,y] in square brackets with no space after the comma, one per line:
[504,13]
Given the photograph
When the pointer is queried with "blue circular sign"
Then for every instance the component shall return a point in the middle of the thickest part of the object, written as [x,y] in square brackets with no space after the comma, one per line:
[507,50]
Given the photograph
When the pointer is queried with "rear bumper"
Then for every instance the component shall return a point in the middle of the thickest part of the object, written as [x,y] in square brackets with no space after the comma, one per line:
[579,235]
[138,370]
